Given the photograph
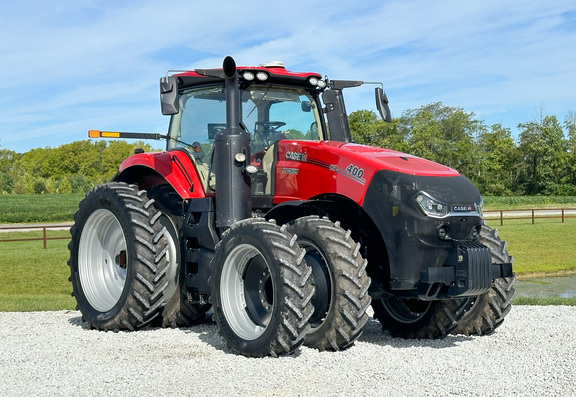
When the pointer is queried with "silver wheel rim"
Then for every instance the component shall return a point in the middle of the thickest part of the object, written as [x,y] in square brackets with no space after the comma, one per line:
[172,268]
[246,291]
[102,260]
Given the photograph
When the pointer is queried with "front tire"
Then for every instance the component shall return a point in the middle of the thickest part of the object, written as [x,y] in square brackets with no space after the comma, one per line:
[417,319]
[341,282]
[122,247]
[261,291]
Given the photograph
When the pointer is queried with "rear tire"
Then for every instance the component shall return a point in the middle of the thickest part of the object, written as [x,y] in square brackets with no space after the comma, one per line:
[340,279]
[417,319]
[486,312]
[179,311]
[261,290]
[121,250]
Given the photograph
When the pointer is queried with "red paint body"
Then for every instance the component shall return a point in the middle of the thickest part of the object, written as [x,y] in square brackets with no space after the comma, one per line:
[168,165]
[341,168]
[304,169]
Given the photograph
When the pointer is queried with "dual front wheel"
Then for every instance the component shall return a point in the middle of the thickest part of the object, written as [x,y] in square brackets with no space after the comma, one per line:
[274,288]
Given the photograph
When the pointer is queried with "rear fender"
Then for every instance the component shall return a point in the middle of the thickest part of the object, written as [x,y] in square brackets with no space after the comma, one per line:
[173,167]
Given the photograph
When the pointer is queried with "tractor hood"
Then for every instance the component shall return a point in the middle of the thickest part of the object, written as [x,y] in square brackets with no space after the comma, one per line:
[307,169]
[392,160]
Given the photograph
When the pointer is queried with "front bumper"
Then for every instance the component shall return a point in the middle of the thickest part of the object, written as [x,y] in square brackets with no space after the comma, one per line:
[422,261]
[468,271]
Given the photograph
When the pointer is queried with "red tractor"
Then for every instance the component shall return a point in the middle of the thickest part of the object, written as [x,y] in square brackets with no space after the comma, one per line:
[263,209]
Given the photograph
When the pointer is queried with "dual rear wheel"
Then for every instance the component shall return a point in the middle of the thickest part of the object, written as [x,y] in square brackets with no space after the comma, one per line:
[125,261]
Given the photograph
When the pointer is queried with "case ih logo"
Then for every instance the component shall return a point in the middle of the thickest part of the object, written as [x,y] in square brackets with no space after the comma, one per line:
[462,208]
[296,156]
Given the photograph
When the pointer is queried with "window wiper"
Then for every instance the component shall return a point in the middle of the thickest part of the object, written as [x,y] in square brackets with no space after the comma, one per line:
[258,102]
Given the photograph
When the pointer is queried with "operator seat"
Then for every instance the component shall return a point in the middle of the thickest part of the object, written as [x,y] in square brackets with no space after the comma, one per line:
[267,162]
[202,168]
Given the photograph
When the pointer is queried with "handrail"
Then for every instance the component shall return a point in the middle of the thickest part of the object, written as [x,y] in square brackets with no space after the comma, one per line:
[44,238]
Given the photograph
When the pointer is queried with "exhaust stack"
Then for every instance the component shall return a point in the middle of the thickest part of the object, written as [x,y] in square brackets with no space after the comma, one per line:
[231,155]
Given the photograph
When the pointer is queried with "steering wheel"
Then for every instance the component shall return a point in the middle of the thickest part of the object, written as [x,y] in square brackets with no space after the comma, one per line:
[271,126]
[269,134]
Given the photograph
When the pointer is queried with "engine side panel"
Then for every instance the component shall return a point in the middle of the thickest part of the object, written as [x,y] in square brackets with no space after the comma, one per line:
[308,169]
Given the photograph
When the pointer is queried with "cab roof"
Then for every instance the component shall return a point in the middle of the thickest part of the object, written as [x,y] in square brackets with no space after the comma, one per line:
[271,73]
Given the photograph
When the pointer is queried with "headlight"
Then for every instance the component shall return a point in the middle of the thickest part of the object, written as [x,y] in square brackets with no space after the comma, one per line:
[430,206]
[480,207]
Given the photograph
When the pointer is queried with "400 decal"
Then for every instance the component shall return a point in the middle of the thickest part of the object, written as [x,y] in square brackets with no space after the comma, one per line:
[355,171]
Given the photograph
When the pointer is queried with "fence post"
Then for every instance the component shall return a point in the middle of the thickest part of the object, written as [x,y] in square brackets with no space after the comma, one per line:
[562,215]
[501,218]
[44,236]
[532,216]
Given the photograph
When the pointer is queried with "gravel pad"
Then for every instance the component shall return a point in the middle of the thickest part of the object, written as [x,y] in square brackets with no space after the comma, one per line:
[52,354]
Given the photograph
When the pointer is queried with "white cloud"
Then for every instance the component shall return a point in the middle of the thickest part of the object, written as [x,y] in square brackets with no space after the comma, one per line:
[63,61]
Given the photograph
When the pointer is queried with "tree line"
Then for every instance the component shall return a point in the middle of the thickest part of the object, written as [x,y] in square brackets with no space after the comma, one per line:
[542,161]
[71,168]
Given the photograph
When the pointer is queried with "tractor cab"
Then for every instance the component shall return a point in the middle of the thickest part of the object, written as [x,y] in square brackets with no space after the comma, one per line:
[269,114]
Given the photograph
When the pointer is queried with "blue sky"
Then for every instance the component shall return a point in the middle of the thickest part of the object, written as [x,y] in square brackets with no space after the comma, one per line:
[68,66]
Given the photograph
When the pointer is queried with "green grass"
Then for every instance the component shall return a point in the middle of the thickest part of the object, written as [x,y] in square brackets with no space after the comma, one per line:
[537,301]
[34,278]
[522,202]
[29,208]
[545,248]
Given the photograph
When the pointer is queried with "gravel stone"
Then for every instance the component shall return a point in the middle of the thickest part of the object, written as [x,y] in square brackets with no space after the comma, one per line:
[53,354]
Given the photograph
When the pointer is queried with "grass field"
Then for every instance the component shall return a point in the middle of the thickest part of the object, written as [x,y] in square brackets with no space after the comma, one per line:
[545,248]
[29,208]
[32,278]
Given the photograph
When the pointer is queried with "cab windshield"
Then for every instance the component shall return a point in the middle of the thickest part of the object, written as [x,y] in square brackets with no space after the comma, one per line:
[269,113]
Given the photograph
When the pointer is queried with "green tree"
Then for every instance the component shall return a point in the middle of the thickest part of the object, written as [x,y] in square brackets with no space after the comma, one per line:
[369,129]
[545,156]
[294,134]
[498,169]
[65,186]
[443,134]
[7,160]
[570,125]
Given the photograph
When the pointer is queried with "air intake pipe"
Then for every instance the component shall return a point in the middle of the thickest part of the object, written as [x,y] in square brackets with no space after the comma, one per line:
[231,155]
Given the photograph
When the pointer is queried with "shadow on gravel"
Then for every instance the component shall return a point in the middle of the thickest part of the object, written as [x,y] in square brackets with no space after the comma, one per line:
[373,334]
[77,321]
[207,332]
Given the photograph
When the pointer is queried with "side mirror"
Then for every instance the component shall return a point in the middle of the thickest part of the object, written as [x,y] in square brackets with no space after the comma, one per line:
[382,105]
[169,95]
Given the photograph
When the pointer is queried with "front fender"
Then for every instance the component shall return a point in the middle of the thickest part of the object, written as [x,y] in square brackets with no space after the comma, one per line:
[175,167]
